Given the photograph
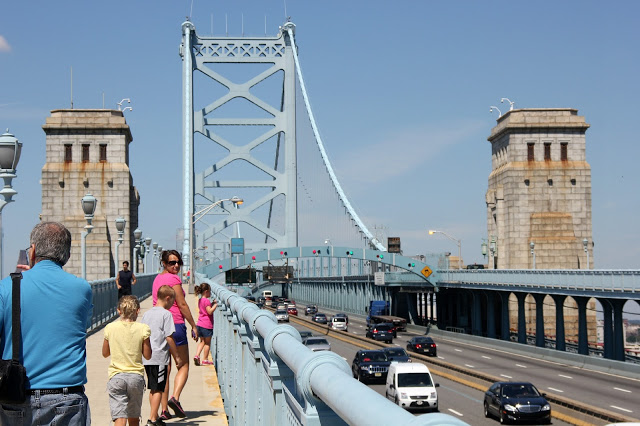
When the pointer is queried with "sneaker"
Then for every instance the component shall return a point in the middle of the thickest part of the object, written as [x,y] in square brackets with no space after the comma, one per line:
[165,415]
[158,422]
[176,407]
[206,362]
[196,360]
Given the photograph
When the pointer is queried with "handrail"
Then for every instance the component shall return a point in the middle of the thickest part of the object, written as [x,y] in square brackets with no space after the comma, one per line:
[268,376]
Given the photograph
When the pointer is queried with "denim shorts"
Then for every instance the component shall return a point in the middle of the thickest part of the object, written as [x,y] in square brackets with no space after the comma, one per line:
[125,395]
[204,332]
[180,335]
[60,409]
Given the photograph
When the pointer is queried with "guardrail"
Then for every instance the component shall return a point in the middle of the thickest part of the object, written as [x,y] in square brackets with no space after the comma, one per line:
[105,298]
[268,377]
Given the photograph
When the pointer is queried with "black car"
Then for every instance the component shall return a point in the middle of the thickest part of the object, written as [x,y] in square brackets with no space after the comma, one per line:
[516,401]
[319,318]
[397,354]
[370,365]
[381,332]
[311,310]
[304,334]
[422,345]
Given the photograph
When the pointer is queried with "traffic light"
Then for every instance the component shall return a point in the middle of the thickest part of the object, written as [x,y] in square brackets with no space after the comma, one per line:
[349,253]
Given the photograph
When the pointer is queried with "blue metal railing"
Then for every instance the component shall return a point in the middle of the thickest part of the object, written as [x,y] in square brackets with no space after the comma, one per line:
[268,377]
[105,298]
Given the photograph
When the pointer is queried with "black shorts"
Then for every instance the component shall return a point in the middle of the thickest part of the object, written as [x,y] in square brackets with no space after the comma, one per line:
[156,377]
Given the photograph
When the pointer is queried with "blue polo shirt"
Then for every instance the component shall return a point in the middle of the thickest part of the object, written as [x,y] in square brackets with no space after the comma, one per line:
[56,312]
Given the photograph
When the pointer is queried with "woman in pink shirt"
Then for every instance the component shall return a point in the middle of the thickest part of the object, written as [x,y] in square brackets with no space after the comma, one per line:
[171,263]
[205,322]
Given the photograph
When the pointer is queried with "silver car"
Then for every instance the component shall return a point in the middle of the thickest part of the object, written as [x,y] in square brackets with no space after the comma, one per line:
[338,323]
[282,315]
[317,344]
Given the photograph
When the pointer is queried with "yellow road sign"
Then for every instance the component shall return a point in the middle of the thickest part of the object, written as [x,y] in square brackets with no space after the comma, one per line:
[426,271]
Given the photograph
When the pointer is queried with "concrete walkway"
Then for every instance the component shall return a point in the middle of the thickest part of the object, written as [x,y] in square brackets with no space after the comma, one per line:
[200,398]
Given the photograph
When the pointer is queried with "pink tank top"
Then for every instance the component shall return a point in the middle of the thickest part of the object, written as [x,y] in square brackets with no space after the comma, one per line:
[174,282]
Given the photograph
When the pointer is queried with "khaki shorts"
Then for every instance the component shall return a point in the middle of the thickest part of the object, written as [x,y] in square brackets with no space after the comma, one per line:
[125,395]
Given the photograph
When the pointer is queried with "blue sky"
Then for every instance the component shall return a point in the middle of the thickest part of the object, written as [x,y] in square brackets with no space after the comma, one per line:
[401,91]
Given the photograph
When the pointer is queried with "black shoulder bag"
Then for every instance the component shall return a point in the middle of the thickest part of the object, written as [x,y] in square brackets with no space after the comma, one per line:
[13,375]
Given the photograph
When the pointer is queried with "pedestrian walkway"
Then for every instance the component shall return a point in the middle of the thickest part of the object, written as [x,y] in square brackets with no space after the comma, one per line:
[200,398]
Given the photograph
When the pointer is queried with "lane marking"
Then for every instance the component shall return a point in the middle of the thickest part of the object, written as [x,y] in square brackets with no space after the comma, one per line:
[520,365]
[456,413]
[504,375]
[556,390]
[622,390]
[458,350]
[486,357]
[566,377]
[621,409]
[440,357]
[469,365]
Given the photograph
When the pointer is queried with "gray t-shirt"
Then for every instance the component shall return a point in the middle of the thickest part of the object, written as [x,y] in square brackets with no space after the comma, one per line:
[160,321]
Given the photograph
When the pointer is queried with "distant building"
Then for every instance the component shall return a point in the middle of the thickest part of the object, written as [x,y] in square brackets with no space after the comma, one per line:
[540,192]
[87,151]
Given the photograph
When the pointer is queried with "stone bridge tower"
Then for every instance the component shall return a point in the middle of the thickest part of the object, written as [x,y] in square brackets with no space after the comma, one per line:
[87,151]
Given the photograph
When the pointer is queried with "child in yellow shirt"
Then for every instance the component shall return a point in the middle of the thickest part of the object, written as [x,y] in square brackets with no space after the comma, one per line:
[126,341]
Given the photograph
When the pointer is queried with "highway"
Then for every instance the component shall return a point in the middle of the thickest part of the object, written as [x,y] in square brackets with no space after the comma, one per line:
[614,393]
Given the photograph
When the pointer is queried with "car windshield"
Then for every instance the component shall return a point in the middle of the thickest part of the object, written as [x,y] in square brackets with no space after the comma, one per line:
[519,391]
[396,352]
[414,380]
[421,341]
[339,319]
[321,315]
[280,312]
[383,327]
[316,341]
[374,356]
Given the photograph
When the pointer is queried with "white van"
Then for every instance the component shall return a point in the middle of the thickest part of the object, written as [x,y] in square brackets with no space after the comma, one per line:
[411,386]
[339,323]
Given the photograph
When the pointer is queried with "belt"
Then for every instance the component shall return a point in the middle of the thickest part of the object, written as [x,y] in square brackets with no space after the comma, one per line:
[71,389]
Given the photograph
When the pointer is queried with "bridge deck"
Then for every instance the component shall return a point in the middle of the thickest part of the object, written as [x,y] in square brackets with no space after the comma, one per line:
[200,398]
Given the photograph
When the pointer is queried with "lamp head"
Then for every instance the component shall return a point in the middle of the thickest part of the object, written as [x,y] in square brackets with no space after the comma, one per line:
[10,149]
[120,224]
[147,241]
[88,204]
[532,245]
[155,245]
[237,201]
[137,234]
[431,232]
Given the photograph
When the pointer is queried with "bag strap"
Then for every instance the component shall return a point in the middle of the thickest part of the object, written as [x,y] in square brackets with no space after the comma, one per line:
[16,277]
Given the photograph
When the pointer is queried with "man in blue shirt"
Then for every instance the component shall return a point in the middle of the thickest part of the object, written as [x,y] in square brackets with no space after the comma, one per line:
[56,312]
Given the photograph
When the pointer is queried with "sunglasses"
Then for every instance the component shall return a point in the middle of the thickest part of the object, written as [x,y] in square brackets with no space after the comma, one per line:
[174,262]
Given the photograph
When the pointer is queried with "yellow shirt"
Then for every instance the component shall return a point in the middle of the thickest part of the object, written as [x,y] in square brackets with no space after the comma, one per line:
[125,344]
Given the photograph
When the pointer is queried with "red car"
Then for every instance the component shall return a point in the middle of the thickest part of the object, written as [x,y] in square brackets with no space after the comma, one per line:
[292,310]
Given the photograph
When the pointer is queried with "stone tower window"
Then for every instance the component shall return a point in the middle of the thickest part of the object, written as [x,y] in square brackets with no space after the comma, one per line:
[530,151]
[563,151]
[103,153]
[67,153]
[547,151]
[85,153]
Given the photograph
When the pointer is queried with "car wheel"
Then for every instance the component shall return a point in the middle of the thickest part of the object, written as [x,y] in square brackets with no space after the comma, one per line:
[486,410]
[389,341]
[397,402]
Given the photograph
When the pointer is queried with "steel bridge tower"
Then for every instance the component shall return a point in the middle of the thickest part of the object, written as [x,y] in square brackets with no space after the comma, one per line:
[281,176]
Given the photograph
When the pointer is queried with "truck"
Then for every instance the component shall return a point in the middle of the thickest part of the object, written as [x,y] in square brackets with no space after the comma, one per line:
[379,312]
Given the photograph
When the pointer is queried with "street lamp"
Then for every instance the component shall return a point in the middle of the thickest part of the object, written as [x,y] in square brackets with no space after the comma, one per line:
[493,248]
[483,248]
[585,243]
[155,253]
[532,245]
[10,149]
[120,224]
[137,236]
[196,217]
[457,241]
[146,265]
[88,203]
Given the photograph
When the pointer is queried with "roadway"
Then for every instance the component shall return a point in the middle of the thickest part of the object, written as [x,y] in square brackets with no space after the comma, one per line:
[617,394]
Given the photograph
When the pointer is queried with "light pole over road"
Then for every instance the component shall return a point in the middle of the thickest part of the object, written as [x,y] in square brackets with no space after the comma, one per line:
[10,149]
[458,242]
[89,203]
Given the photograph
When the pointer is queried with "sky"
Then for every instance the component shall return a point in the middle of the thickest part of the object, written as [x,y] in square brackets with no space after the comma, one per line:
[400,90]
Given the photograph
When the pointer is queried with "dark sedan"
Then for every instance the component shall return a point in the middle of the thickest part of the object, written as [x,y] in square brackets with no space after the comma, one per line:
[319,318]
[516,401]
[370,365]
[397,354]
[381,332]
[422,345]
[311,310]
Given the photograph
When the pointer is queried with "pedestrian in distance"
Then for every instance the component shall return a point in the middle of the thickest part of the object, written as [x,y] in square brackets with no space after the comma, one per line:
[126,341]
[160,321]
[205,323]
[56,312]
[125,280]
[170,275]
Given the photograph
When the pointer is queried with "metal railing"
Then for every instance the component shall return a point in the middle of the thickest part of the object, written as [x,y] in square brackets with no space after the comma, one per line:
[105,298]
[268,377]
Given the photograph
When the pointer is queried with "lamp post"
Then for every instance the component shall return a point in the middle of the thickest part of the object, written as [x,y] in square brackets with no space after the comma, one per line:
[146,265]
[457,241]
[483,248]
[120,224]
[137,236]
[155,253]
[532,245]
[196,217]
[88,203]
[10,149]
[493,249]
[585,243]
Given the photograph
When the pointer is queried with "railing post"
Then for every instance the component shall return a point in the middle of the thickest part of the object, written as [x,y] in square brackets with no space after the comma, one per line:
[278,372]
